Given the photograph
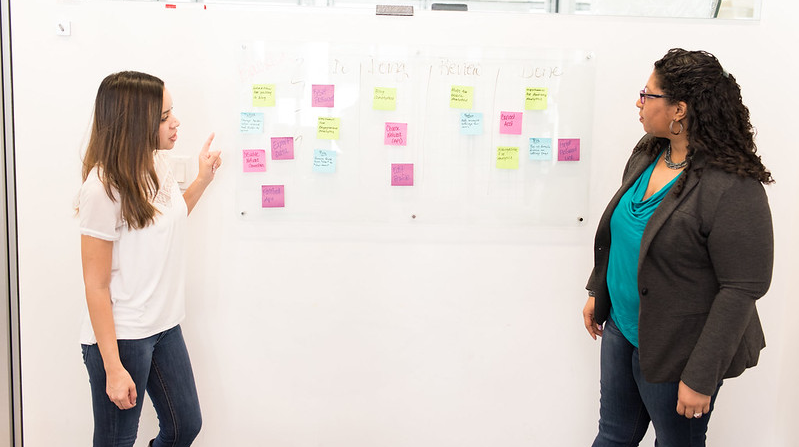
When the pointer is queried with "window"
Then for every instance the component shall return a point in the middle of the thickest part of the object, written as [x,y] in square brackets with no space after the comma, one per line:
[724,9]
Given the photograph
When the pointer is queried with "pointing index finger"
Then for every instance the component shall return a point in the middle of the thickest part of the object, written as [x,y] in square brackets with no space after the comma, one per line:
[207,144]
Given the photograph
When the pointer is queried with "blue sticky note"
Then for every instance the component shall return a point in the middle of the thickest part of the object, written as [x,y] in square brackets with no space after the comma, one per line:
[324,161]
[540,148]
[251,122]
[471,123]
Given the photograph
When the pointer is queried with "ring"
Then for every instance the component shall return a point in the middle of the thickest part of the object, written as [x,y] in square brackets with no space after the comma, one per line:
[697,415]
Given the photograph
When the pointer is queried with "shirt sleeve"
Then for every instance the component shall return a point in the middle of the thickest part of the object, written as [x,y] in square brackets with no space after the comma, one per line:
[741,246]
[100,216]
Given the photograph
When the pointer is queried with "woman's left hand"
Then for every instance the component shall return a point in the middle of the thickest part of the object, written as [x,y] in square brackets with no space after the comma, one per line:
[209,161]
[690,403]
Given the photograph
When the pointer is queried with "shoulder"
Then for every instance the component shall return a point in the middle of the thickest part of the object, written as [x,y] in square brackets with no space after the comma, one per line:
[721,182]
[100,215]
[93,196]
[93,187]
[725,196]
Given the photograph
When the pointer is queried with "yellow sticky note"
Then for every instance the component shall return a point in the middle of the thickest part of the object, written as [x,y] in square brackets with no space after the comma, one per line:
[536,98]
[461,97]
[507,157]
[385,98]
[263,95]
[328,128]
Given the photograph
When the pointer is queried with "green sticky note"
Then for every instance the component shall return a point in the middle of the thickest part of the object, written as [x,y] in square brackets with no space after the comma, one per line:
[461,97]
[535,98]
[507,157]
[385,98]
[263,95]
[328,128]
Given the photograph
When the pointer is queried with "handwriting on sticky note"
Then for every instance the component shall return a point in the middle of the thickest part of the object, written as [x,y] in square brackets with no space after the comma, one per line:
[322,95]
[328,128]
[385,98]
[461,97]
[396,134]
[507,157]
[569,149]
[254,160]
[251,122]
[324,161]
[510,123]
[273,196]
[535,98]
[540,148]
[471,123]
[263,95]
[283,148]
[402,174]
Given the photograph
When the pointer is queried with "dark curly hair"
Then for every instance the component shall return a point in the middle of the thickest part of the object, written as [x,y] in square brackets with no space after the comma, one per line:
[717,121]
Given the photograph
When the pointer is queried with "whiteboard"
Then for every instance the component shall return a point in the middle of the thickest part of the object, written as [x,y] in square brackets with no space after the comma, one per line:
[392,133]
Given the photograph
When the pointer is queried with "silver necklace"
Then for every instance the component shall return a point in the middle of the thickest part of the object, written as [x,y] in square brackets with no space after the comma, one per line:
[670,164]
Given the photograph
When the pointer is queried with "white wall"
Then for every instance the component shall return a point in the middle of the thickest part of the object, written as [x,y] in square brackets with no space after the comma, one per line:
[377,335]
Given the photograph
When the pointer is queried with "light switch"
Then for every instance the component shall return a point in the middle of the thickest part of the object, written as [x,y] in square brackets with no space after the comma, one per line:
[180,166]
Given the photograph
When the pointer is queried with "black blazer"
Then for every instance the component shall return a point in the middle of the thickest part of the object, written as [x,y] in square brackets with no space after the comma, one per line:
[706,257]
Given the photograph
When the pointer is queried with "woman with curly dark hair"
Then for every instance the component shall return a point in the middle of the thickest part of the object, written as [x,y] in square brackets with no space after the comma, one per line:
[682,252]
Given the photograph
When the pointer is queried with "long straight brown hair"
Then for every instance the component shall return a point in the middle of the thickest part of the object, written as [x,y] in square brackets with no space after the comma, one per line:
[124,136]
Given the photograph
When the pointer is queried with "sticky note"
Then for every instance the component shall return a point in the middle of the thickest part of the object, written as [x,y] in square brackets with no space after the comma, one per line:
[385,98]
[540,148]
[273,196]
[535,98]
[402,174]
[510,123]
[461,97]
[263,95]
[328,128]
[324,161]
[322,95]
[283,148]
[569,149]
[396,134]
[507,157]
[254,160]
[471,123]
[251,122]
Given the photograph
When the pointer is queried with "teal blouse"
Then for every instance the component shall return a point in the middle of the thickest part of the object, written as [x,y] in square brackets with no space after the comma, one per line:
[626,228]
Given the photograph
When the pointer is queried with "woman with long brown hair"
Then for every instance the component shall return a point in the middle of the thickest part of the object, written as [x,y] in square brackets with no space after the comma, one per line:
[132,223]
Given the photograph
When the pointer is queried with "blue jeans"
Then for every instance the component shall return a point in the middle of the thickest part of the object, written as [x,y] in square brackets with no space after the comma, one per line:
[628,402]
[160,365]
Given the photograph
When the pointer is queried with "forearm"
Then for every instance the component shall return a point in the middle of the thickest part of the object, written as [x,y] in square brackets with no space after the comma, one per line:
[209,162]
[193,193]
[718,342]
[102,319]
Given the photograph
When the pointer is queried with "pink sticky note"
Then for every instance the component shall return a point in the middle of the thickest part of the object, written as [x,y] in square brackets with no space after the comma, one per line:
[322,95]
[402,174]
[254,160]
[272,196]
[283,148]
[569,149]
[510,123]
[396,134]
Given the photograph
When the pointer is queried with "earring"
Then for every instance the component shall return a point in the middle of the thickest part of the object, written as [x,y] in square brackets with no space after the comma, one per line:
[671,129]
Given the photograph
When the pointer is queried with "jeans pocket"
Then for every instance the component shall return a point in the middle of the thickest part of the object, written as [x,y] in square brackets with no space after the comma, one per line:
[85,352]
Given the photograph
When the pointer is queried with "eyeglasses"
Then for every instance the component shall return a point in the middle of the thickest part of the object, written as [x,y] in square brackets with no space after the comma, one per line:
[643,94]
